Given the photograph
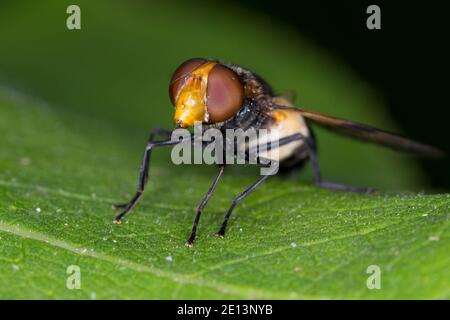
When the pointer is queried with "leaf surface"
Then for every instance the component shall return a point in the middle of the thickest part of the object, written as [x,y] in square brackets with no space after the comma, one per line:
[288,240]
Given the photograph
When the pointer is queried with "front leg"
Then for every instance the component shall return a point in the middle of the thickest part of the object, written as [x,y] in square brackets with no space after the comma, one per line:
[143,177]
[166,133]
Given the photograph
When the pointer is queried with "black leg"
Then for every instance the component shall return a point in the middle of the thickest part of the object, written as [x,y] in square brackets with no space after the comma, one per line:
[143,177]
[250,189]
[205,200]
[166,133]
[312,151]
[239,198]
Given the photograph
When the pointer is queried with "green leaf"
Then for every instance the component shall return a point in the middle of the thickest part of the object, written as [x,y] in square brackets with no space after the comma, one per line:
[58,181]
[71,148]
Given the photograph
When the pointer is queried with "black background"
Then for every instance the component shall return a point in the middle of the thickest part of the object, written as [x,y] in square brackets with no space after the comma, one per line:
[281,309]
[407,60]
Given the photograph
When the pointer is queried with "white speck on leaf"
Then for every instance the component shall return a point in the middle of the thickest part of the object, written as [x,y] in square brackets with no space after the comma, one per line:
[169,258]
[15,267]
[114,240]
[433,238]
[25,161]
[38,209]
[293,245]
[298,269]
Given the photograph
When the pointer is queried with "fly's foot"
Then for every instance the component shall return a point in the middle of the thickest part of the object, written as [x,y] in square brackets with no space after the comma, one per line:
[221,233]
[189,243]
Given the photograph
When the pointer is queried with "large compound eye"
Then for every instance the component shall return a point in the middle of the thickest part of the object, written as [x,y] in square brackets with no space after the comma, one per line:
[179,76]
[224,95]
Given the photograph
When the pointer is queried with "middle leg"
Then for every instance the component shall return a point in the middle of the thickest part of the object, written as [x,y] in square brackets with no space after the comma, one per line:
[272,170]
[239,198]
[202,205]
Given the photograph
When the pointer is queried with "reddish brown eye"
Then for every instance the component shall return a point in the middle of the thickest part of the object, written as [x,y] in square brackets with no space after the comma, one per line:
[225,93]
[180,74]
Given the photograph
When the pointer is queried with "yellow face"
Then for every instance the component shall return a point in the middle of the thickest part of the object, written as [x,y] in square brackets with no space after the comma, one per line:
[207,91]
[190,103]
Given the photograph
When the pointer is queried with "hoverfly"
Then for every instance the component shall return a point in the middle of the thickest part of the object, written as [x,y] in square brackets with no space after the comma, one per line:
[228,96]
